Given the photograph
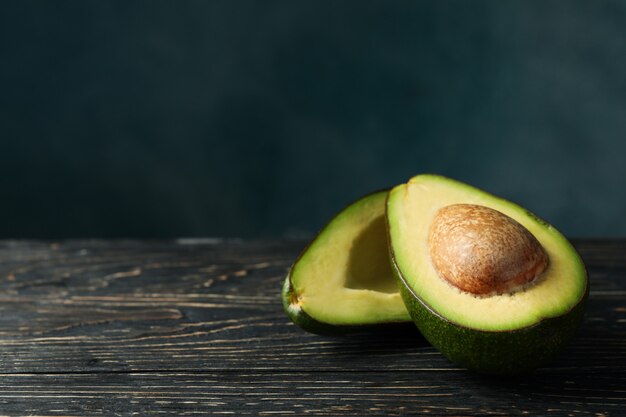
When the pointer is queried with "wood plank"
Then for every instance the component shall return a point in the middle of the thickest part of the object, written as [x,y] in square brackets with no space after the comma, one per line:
[196,326]
[455,393]
[130,306]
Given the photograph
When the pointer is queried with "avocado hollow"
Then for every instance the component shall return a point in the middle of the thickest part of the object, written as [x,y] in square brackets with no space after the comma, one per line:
[342,281]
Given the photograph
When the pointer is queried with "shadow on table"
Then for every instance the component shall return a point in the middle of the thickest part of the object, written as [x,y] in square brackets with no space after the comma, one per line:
[587,372]
[388,339]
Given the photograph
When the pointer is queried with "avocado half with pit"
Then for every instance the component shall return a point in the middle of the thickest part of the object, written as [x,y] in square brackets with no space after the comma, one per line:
[343,282]
[492,286]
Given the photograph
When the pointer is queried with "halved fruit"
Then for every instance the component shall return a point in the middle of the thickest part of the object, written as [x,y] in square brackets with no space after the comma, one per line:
[492,286]
[343,282]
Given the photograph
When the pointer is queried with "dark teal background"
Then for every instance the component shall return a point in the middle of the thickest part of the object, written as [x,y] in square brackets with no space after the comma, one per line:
[263,118]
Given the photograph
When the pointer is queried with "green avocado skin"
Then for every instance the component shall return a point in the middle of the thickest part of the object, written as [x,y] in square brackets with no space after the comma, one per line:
[303,320]
[493,352]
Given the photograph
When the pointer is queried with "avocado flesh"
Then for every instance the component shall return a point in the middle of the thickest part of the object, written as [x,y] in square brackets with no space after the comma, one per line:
[343,280]
[507,333]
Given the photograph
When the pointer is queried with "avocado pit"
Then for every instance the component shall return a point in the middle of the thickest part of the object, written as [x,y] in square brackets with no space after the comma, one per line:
[483,251]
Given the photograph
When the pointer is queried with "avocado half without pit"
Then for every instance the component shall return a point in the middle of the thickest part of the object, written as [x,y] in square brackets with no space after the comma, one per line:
[343,282]
[492,286]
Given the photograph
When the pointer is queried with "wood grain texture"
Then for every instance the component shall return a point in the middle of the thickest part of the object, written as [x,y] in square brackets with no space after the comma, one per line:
[196,327]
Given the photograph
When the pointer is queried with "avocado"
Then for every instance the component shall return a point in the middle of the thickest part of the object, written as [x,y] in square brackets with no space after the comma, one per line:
[492,286]
[343,282]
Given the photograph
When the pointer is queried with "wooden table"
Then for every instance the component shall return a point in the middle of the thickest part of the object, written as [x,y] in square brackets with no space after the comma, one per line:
[196,327]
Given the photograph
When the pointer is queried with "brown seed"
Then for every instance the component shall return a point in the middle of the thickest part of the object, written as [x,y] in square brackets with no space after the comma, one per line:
[482,251]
